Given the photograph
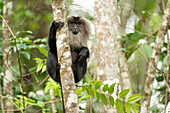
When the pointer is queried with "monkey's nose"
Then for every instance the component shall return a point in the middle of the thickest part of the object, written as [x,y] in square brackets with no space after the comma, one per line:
[75,30]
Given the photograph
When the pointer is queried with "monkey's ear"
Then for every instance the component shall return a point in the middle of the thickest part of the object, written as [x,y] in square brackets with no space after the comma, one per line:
[69,19]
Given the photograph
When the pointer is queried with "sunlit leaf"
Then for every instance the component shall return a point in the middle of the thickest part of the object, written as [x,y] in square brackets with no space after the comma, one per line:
[97,85]
[78,91]
[123,93]
[128,107]
[84,97]
[119,105]
[134,109]
[97,95]
[39,66]
[43,69]
[43,51]
[111,88]
[105,87]
[134,98]
[104,99]
[111,99]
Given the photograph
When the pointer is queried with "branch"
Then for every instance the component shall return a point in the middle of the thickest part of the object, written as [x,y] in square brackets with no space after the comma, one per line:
[154,60]
[18,58]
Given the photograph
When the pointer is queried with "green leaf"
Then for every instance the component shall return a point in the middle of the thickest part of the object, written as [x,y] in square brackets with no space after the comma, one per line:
[105,87]
[43,69]
[26,55]
[84,97]
[155,22]
[136,104]
[128,107]
[39,66]
[111,99]
[94,40]
[119,105]
[93,92]
[134,109]
[37,59]
[134,98]
[78,91]
[97,95]
[147,50]
[111,88]
[104,99]
[40,104]
[47,87]
[43,51]
[97,85]
[123,93]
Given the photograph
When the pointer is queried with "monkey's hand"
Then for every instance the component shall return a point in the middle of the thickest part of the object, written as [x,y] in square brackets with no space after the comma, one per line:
[84,53]
[57,25]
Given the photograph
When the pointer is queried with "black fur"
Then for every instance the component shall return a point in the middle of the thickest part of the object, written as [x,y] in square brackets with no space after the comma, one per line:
[80,55]
[79,65]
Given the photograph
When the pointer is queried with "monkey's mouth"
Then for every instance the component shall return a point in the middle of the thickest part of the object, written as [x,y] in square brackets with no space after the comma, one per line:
[75,32]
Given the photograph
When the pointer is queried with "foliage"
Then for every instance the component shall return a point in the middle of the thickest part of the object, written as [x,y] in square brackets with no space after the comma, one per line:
[92,89]
[30,102]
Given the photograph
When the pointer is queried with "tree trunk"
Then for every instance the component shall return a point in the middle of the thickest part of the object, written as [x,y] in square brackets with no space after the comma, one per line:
[54,109]
[112,63]
[154,60]
[66,75]
[8,78]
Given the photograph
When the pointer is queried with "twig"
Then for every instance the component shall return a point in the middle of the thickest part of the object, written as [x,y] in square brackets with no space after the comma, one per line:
[18,56]
[167,73]
[146,38]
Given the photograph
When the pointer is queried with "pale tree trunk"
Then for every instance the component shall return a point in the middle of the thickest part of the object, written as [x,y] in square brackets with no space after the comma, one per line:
[67,80]
[1,100]
[8,78]
[154,60]
[54,109]
[126,8]
[111,61]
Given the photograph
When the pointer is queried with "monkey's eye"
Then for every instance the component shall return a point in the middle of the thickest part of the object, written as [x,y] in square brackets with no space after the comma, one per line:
[78,23]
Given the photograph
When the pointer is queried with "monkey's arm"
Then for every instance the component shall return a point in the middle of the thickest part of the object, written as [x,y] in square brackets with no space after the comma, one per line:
[84,53]
[80,66]
[52,59]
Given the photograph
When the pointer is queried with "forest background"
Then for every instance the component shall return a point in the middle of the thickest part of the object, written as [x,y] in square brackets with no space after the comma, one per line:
[128,69]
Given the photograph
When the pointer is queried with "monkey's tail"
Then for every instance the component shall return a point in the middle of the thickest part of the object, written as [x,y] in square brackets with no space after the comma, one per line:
[62,98]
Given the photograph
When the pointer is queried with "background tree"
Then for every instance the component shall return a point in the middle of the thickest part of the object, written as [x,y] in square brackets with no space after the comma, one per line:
[154,59]
[8,76]
[111,65]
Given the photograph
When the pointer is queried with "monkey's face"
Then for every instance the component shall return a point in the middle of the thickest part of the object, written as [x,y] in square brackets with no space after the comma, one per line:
[75,25]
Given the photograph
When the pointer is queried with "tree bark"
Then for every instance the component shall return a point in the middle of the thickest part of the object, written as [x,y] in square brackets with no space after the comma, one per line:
[112,63]
[54,109]
[8,77]
[63,49]
[154,60]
